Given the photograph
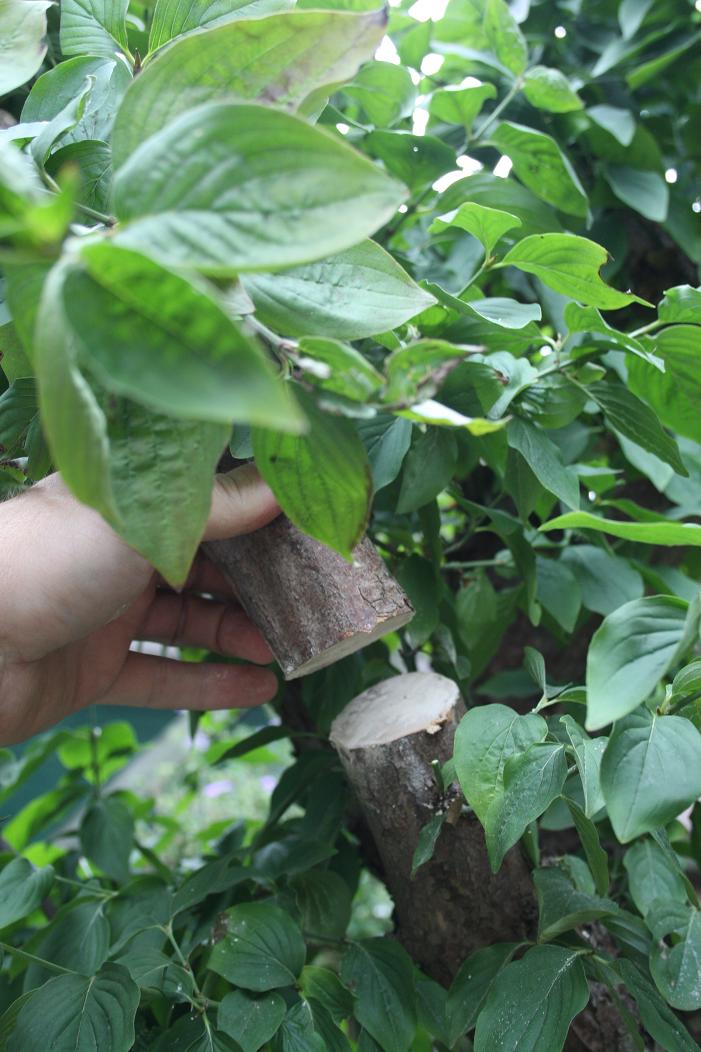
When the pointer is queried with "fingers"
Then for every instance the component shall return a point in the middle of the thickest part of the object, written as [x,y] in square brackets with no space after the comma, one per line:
[159,683]
[241,502]
[187,620]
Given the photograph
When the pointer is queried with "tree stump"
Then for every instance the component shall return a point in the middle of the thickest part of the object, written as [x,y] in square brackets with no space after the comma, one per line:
[312,606]
[387,739]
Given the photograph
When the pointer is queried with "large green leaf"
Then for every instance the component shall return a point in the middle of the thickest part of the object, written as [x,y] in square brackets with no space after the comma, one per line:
[190,359]
[549,89]
[650,875]
[22,889]
[107,835]
[379,973]
[22,41]
[606,581]
[634,419]
[504,36]
[629,653]
[102,443]
[488,225]
[172,18]
[676,969]
[460,105]
[570,265]
[252,1021]
[668,534]
[416,160]
[76,1013]
[532,1002]
[322,479]
[562,906]
[657,1017]
[545,461]
[428,468]
[485,739]
[277,60]
[385,91]
[674,394]
[680,304]
[471,986]
[263,948]
[532,780]
[540,164]
[651,771]
[386,439]
[263,191]
[646,192]
[93,27]
[54,90]
[349,296]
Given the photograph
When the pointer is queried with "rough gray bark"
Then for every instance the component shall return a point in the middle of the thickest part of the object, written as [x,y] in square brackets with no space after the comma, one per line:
[386,739]
[312,606]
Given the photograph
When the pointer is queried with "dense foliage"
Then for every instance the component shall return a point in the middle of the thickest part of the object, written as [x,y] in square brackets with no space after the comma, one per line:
[508,375]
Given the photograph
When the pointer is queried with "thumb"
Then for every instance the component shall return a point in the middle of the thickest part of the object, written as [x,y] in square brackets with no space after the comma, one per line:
[241,502]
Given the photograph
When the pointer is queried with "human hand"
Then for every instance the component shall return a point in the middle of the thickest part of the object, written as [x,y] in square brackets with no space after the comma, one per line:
[74,596]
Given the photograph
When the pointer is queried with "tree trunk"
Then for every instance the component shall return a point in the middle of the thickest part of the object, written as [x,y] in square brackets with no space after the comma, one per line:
[386,739]
[312,606]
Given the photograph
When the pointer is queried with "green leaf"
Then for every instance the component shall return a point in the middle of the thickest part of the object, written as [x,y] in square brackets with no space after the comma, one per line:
[570,265]
[658,1019]
[471,985]
[549,89]
[456,105]
[588,319]
[386,439]
[190,360]
[324,987]
[544,459]
[651,771]
[650,875]
[101,443]
[321,479]
[263,948]
[606,581]
[667,534]
[214,877]
[77,1013]
[674,394]
[22,41]
[485,739]
[298,1033]
[380,974]
[616,121]
[426,844]
[324,903]
[634,419]
[532,1002]
[416,160]
[559,591]
[417,577]
[417,369]
[532,780]
[252,1021]
[264,190]
[504,36]
[597,859]
[18,406]
[542,167]
[279,60]
[22,889]
[588,752]
[64,121]
[680,304]
[78,939]
[562,906]
[645,192]
[172,18]
[348,296]
[107,835]
[488,225]
[93,27]
[629,653]
[428,468]
[676,969]
[385,91]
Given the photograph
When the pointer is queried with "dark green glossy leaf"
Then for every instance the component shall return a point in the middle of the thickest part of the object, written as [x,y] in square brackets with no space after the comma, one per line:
[263,948]
[22,889]
[379,973]
[106,836]
[656,1016]
[472,984]
[252,1021]
[540,164]
[562,906]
